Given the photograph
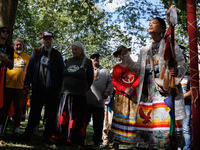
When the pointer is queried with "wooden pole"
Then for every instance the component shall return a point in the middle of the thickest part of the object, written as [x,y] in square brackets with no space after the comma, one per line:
[194,71]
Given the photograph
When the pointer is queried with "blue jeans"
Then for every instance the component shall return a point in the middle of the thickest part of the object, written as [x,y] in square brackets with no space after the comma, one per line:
[187,128]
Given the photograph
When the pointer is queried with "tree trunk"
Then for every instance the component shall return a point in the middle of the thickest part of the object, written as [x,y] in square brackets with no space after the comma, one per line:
[8,10]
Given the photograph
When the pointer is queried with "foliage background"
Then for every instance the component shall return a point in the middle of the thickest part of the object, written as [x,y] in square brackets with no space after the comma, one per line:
[95,27]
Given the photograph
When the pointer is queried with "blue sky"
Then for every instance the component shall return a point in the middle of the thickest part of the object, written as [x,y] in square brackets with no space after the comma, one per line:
[110,7]
[116,3]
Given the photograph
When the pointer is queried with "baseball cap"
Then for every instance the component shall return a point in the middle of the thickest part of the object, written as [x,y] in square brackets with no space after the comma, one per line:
[47,34]
[94,54]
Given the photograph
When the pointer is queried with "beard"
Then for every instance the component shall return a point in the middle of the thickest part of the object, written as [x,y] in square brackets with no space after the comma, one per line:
[19,51]
[48,48]
[96,63]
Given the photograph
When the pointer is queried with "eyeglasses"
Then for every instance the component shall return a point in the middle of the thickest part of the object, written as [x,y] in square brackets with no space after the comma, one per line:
[5,31]
[47,38]
[93,57]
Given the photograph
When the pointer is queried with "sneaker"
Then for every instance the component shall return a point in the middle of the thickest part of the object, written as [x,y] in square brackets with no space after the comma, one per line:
[106,143]
[100,145]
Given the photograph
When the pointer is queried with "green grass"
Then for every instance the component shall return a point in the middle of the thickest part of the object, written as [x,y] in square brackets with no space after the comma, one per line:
[37,142]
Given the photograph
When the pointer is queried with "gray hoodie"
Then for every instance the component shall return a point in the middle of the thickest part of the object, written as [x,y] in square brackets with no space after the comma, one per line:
[99,87]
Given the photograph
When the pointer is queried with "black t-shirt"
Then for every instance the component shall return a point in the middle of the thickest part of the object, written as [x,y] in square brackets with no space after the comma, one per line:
[185,82]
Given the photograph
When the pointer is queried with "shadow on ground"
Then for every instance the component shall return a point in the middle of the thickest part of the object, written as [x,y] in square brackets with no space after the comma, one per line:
[8,142]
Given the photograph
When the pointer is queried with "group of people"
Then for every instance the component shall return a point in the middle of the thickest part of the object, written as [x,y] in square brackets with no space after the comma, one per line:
[16,62]
[76,90]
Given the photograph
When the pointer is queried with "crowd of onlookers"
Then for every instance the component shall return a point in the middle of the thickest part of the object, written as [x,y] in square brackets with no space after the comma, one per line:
[127,105]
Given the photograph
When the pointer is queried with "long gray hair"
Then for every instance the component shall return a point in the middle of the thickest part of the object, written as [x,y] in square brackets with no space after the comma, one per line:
[79,44]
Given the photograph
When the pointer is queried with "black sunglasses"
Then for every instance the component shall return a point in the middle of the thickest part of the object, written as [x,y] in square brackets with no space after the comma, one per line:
[95,56]
[5,31]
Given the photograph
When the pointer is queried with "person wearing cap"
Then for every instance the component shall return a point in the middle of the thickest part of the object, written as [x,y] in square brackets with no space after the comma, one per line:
[44,74]
[125,83]
[6,61]
[6,52]
[153,119]
[77,79]
[101,88]
[14,85]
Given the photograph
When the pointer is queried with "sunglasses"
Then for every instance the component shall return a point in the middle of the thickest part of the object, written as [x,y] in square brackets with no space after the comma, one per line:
[5,31]
[93,57]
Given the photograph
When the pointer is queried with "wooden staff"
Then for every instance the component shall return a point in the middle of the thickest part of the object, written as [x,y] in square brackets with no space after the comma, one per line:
[194,72]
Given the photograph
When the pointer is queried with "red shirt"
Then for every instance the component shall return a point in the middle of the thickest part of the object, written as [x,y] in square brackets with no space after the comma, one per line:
[122,78]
